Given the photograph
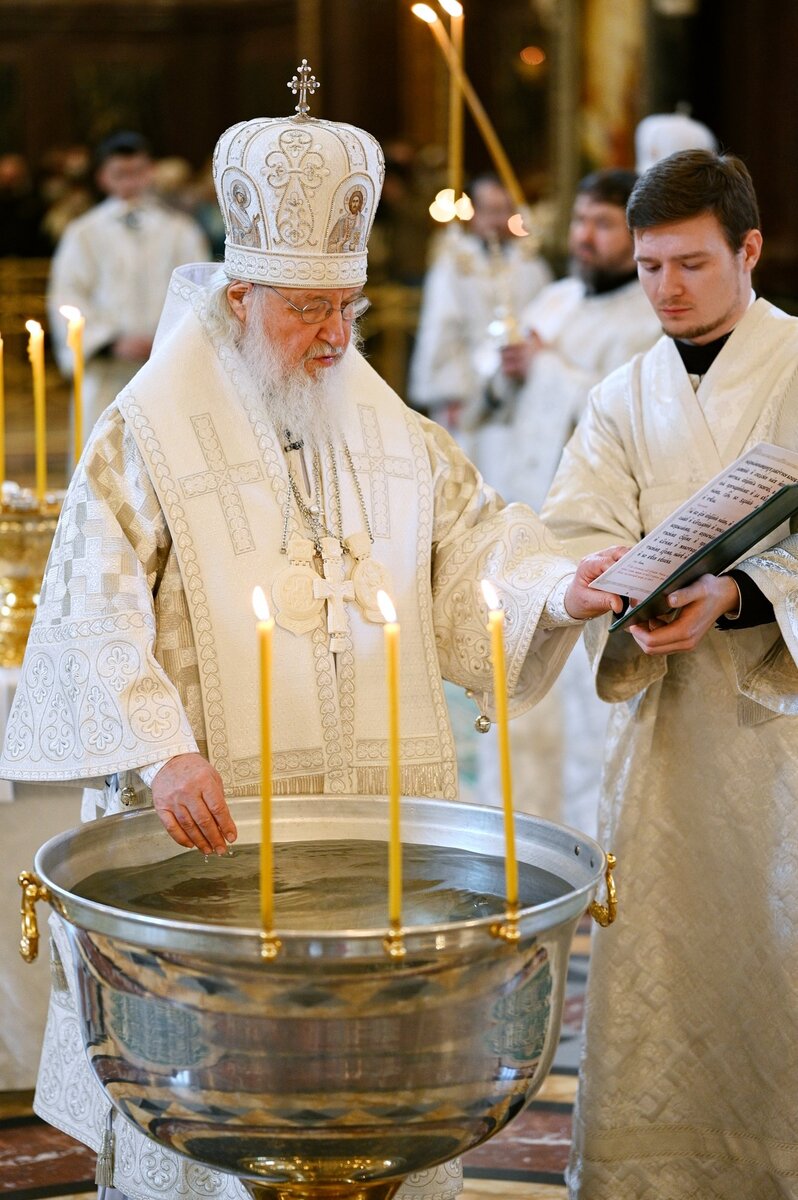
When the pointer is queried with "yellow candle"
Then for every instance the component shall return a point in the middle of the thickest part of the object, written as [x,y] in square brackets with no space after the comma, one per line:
[76,323]
[391,636]
[2,417]
[481,118]
[265,630]
[496,630]
[456,22]
[36,356]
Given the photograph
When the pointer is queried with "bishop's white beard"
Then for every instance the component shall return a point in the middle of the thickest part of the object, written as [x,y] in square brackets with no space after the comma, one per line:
[298,402]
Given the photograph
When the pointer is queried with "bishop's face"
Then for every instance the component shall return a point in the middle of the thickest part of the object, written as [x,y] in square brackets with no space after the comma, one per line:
[315,348]
[697,285]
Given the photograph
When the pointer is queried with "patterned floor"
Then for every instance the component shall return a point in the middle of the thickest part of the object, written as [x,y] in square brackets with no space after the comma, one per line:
[524,1162]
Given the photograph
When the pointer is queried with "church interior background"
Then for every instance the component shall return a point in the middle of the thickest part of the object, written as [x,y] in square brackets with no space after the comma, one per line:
[564,81]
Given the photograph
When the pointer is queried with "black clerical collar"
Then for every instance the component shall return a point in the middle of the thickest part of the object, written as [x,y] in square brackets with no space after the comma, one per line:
[698,359]
[604,282]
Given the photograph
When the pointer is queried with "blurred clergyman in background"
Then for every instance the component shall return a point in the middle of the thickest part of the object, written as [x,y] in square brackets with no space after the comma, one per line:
[114,264]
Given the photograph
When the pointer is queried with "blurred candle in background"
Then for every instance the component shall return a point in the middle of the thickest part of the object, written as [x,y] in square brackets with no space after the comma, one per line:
[36,356]
[76,324]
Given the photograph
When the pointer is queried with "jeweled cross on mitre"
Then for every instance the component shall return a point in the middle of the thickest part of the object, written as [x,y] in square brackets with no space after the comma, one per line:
[303,83]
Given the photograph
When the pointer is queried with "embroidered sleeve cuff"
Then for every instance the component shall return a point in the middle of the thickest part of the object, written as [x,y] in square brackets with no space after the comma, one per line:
[555,614]
[147,774]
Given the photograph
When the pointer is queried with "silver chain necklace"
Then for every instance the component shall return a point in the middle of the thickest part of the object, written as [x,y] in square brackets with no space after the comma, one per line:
[311,513]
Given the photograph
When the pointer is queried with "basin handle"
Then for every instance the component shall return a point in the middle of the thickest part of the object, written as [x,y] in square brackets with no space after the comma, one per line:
[33,890]
[605,914]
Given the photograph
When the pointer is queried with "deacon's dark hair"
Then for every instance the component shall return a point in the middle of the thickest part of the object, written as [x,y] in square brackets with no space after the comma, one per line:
[611,186]
[125,144]
[693,182]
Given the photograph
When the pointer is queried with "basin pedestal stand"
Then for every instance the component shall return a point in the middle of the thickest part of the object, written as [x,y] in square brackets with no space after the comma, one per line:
[315,1191]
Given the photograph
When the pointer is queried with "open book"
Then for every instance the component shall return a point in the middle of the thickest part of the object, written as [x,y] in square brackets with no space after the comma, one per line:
[722,523]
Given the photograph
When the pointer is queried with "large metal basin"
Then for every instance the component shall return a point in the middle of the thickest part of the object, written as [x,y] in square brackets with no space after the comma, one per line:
[333,1070]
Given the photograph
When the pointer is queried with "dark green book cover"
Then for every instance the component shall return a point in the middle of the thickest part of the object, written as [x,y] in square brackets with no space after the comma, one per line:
[718,555]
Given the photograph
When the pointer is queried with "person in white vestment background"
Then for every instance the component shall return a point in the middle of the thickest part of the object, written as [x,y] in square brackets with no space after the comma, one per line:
[481,278]
[576,330]
[114,263]
[257,447]
[689,1079]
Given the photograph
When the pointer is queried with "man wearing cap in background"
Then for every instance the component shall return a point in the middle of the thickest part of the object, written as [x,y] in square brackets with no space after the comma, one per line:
[114,263]
[257,447]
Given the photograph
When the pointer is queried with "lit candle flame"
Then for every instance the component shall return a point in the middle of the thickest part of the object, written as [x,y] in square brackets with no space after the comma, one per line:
[453,7]
[445,208]
[424,13]
[260,604]
[463,208]
[386,607]
[70,312]
[34,328]
[491,596]
[442,215]
[516,225]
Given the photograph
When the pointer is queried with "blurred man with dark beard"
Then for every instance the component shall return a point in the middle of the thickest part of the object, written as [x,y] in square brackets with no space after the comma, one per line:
[258,448]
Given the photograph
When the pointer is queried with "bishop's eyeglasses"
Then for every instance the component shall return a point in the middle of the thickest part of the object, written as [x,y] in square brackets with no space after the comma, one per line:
[319,311]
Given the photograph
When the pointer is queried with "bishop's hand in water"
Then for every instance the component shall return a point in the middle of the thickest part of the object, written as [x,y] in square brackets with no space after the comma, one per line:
[188,796]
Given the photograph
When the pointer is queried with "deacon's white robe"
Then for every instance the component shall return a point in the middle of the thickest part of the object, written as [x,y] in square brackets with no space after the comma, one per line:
[142,646]
[558,749]
[467,288]
[689,1083]
[118,275]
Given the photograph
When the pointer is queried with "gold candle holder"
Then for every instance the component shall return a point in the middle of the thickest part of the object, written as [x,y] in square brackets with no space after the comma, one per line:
[26,535]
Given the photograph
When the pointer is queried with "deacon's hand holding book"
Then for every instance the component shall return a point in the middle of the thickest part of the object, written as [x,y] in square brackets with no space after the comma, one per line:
[679,568]
[697,608]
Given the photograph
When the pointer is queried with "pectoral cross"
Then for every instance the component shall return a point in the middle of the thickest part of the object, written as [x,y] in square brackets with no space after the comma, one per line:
[335,590]
[304,83]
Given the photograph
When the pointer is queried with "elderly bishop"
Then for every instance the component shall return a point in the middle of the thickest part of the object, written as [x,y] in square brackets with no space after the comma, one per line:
[257,446]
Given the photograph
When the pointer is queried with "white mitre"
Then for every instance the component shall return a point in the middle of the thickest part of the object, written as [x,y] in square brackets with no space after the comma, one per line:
[662,134]
[298,196]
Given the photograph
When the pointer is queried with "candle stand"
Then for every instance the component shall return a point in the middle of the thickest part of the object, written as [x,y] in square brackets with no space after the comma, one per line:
[26,534]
